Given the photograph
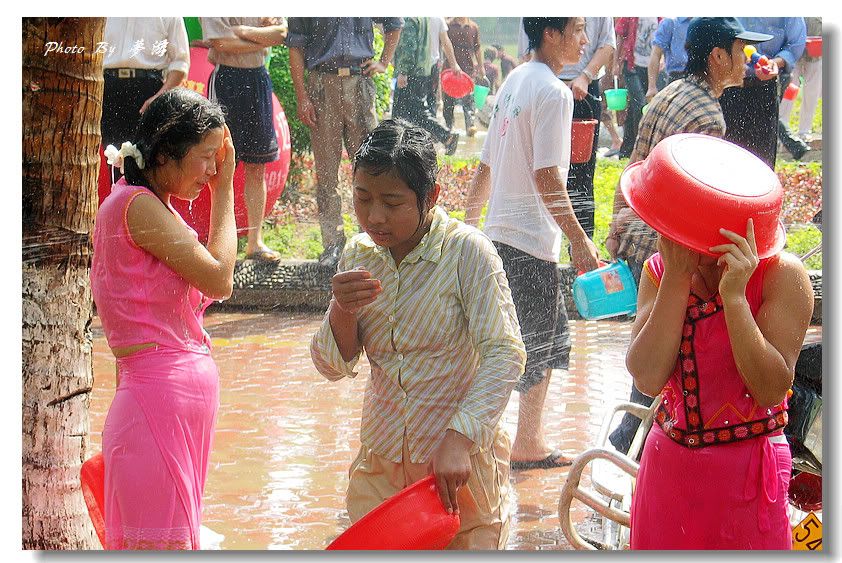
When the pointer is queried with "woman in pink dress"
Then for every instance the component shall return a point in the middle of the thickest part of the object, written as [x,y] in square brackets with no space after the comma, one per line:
[152,280]
[717,334]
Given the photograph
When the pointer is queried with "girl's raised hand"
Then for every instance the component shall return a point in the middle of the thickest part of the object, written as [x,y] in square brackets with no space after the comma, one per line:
[225,161]
[354,289]
[678,259]
[740,259]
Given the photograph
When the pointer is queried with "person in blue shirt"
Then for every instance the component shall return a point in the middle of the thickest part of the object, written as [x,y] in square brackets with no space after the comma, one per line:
[751,112]
[668,44]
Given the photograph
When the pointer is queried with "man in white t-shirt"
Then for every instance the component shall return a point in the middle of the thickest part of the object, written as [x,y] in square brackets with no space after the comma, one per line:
[524,166]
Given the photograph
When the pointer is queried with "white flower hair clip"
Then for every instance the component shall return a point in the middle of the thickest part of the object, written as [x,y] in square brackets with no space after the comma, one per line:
[116,157]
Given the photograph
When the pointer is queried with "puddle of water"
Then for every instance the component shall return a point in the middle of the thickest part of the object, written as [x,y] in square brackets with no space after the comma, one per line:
[285,436]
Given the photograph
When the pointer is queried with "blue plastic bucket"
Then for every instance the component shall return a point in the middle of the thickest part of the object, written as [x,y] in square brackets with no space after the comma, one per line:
[608,291]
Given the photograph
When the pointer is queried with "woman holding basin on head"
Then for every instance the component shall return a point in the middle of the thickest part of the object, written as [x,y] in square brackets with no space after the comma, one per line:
[426,296]
[151,281]
[722,314]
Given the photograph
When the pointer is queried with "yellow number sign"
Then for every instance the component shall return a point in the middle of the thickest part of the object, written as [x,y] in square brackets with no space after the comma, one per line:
[807,536]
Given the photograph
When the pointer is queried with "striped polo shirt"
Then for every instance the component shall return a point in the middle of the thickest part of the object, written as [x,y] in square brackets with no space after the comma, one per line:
[443,341]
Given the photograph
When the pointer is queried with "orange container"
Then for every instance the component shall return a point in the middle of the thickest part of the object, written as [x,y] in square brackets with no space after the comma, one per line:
[414,518]
[581,143]
[92,478]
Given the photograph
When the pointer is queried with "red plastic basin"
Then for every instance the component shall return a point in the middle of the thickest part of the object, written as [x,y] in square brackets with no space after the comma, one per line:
[814,45]
[92,477]
[456,85]
[692,185]
[414,518]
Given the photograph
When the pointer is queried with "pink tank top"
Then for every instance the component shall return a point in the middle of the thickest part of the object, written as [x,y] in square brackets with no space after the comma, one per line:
[705,400]
[139,299]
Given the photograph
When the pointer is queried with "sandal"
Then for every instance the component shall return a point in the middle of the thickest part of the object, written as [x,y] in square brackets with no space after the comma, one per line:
[555,459]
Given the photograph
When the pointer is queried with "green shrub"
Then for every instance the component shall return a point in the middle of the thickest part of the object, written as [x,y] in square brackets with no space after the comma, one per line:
[284,90]
[383,81]
[800,239]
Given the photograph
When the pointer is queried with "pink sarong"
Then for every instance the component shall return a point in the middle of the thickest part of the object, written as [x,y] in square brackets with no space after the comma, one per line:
[156,443]
[730,496]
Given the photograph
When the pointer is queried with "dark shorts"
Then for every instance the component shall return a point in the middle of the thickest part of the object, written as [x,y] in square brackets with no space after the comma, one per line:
[246,96]
[122,99]
[540,311]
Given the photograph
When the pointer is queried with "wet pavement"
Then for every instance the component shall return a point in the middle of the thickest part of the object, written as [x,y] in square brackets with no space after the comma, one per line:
[285,436]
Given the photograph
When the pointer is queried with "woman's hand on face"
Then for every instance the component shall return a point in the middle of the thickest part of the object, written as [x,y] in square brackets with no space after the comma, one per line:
[354,289]
[225,161]
[451,466]
[678,259]
[740,259]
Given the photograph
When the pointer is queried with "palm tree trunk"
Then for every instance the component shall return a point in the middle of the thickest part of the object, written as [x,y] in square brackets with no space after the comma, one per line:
[62,105]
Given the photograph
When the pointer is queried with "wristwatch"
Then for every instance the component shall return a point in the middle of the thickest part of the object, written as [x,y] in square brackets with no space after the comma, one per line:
[588,73]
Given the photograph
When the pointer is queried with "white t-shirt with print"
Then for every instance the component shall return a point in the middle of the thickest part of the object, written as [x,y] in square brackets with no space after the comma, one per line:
[646,28]
[529,130]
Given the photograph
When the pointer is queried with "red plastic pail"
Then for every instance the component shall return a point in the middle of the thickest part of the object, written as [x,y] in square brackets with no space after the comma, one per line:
[581,143]
[791,91]
[814,45]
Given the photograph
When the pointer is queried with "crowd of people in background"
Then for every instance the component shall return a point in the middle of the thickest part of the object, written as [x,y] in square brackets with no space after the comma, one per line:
[452,320]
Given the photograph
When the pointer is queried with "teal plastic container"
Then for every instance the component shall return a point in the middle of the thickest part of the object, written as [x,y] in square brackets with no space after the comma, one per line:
[608,291]
[480,93]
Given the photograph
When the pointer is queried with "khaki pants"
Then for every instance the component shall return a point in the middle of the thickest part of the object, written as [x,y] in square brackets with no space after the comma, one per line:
[344,112]
[483,503]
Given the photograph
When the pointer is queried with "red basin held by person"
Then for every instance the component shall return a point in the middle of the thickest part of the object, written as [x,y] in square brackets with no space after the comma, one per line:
[197,213]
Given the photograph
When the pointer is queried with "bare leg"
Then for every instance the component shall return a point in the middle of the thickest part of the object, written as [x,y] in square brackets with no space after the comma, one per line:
[608,121]
[530,443]
[255,197]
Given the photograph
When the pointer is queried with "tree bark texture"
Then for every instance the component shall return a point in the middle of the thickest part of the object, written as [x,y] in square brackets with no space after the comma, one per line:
[62,106]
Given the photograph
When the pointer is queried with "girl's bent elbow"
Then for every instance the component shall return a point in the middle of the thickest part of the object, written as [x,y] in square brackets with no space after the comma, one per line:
[220,292]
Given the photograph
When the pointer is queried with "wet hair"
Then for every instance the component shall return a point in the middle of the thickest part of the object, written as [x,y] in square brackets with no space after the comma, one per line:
[396,146]
[173,123]
[698,53]
[534,28]
[490,54]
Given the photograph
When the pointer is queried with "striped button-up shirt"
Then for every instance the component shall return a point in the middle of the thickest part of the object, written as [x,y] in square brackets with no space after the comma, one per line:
[684,106]
[443,341]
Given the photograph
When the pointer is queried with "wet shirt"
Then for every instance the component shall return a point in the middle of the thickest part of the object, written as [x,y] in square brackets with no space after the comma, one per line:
[443,341]
[336,41]
[529,130]
[138,297]
[684,106]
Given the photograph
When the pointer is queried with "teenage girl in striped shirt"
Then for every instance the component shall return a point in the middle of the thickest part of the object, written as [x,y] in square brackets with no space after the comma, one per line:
[426,296]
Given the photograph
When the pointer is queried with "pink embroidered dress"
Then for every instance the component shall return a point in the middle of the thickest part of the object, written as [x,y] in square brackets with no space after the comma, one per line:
[715,467]
[159,429]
